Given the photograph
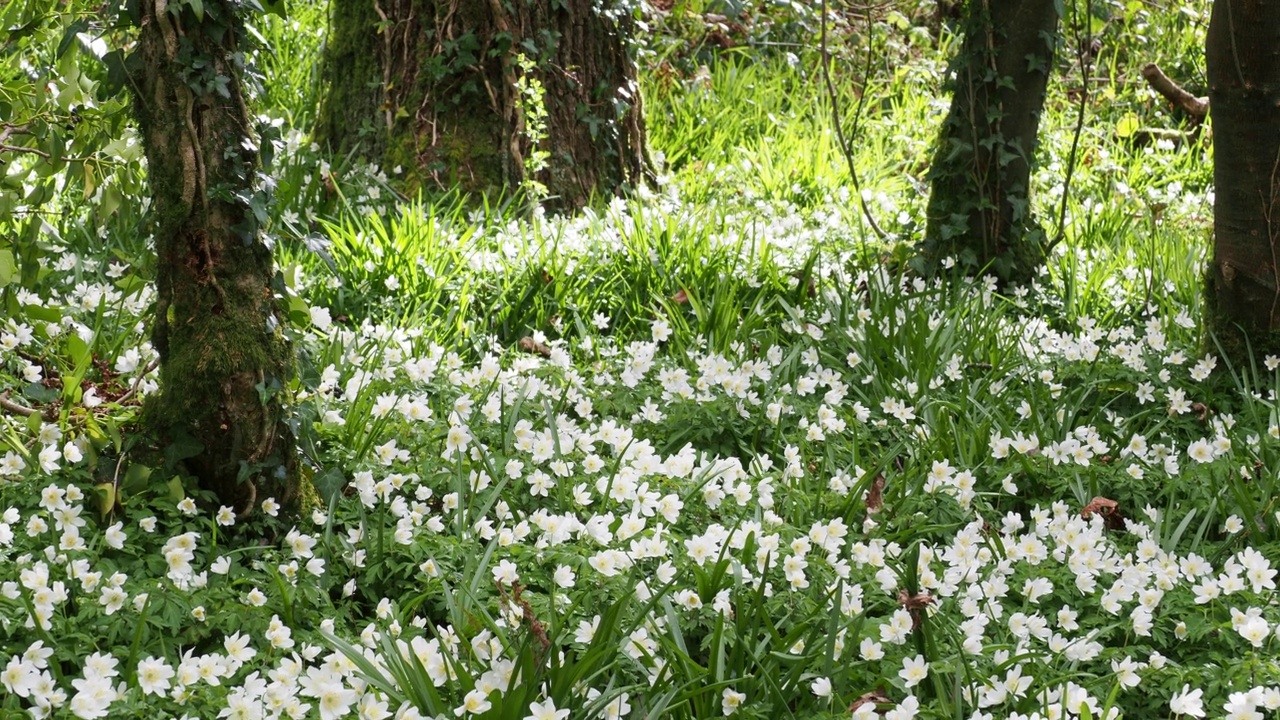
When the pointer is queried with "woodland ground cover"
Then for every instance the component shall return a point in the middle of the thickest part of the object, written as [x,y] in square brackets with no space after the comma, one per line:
[708,451]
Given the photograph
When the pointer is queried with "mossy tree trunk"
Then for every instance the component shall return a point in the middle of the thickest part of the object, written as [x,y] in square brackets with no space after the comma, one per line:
[979,212]
[1243,278]
[433,87]
[223,359]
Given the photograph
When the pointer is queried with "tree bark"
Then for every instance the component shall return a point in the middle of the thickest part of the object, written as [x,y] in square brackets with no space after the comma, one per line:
[430,86]
[223,359]
[979,211]
[1243,280]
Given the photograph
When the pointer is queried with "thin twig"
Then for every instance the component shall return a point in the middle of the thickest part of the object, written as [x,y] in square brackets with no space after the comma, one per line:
[138,382]
[28,150]
[7,130]
[1085,68]
[857,117]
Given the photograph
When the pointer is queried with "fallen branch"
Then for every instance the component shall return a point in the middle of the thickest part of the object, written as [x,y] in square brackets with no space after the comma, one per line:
[1195,107]
[14,408]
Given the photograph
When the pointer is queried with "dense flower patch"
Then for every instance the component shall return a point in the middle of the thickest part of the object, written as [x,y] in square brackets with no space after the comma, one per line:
[900,500]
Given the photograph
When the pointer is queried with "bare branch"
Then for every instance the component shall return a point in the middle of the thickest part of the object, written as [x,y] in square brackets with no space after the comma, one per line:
[20,149]
[1196,107]
[14,408]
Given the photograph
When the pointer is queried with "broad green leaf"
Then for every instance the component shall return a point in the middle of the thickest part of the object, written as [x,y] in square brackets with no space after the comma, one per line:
[182,447]
[176,491]
[276,7]
[8,268]
[78,349]
[329,483]
[111,201]
[135,478]
[299,312]
[43,313]
[1127,126]
[106,493]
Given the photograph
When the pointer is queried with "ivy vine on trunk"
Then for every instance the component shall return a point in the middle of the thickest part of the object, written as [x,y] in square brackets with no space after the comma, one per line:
[223,357]
[485,94]
[979,212]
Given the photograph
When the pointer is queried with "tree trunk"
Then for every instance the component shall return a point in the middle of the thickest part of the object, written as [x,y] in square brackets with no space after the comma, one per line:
[979,211]
[223,359]
[433,87]
[1243,283]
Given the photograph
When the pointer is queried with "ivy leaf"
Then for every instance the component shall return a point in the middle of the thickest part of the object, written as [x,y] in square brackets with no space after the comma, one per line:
[276,7]
[220,86]
[69,35]
[329,483]
[182,447]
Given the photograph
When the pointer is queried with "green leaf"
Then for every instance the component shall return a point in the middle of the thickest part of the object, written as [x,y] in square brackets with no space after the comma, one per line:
[117,73]
[111,201]
[329,483]
[1127,126]
[78,349]
[135,478]
[197,7]
[8,268]
[176,491]
[106,493]
[182,447]
[18,33]
[276,7]
[43,313]
[299,312]
[69,35]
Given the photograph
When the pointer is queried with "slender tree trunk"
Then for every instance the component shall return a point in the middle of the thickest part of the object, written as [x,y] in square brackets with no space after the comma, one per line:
[979,211]
[1243,280]
[433,87]
[223,360]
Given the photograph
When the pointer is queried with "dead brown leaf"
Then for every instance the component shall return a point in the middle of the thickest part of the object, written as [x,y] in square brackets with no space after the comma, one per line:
[533,347]
[915,604]
[875,495]
[1201,410]
[875,697]
[1100,505]
[1109,510]
[918,601]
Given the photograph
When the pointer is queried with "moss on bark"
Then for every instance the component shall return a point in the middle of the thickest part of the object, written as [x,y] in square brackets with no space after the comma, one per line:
[223,357]
[446,109]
